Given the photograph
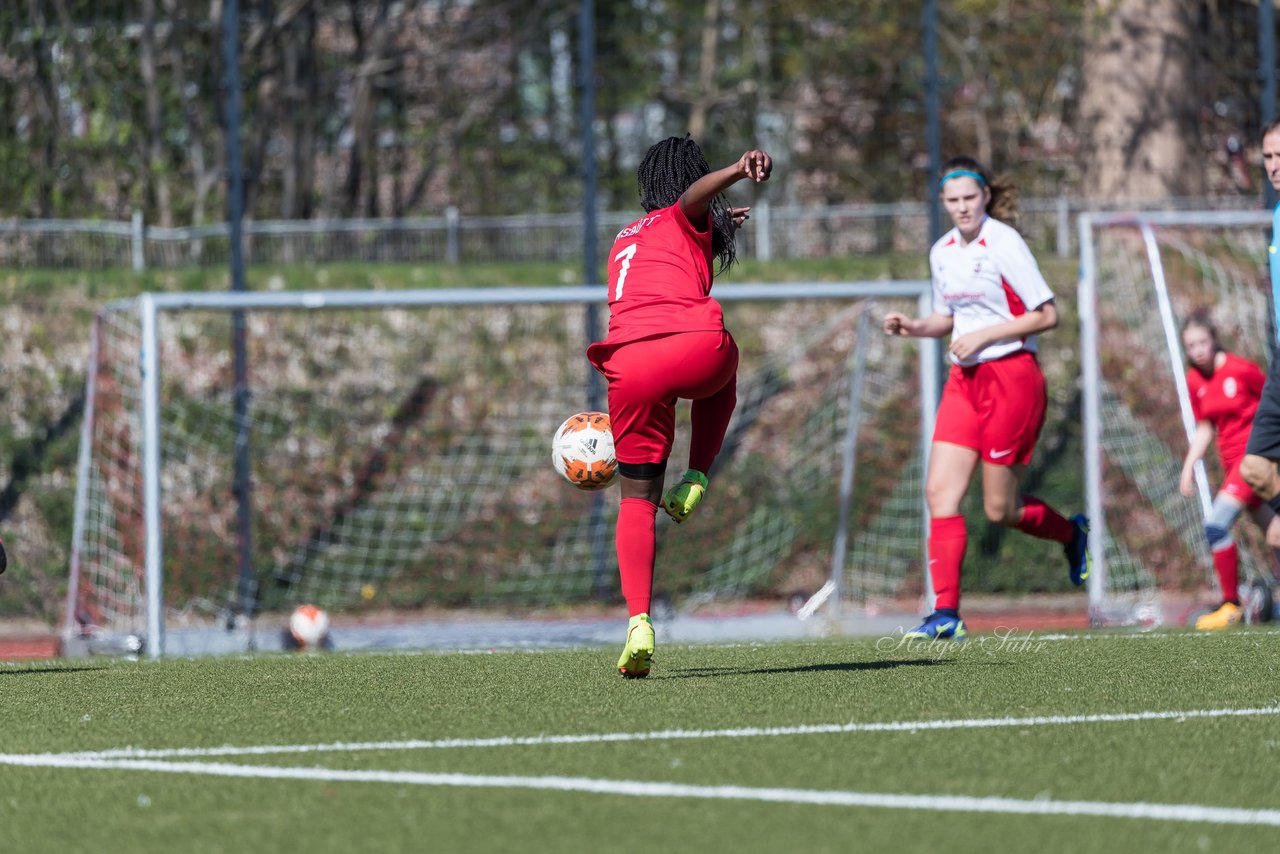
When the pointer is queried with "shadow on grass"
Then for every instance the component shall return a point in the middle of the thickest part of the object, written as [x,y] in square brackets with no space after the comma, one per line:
[31,671]
[847,666]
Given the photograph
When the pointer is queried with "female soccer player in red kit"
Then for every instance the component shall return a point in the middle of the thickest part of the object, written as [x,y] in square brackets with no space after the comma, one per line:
[1225,390]
[667,341]
[989,295]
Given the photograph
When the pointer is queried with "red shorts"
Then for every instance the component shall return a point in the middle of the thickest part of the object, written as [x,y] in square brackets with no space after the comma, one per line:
[1235,486]
[996,408]
[647,376]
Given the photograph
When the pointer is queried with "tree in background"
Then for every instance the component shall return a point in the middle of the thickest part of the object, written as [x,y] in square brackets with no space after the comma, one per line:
[404,107]
[1139,110]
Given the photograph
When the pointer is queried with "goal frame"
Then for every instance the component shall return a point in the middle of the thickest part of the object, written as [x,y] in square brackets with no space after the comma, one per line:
[150,306]
[1145,224]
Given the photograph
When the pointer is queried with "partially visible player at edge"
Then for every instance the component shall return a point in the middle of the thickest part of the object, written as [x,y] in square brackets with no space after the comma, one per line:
[667,341]
[989,295]
[1262,453]
[1224,390]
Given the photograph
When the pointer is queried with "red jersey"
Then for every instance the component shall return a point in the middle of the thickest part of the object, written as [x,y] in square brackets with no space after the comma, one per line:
[660,278]
[1227,400]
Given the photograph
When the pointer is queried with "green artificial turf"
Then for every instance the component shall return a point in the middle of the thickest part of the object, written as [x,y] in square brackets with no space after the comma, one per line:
[1221,761]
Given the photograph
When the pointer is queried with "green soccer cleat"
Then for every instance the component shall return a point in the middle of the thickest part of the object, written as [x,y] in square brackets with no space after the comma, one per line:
[682,498]
[638,653]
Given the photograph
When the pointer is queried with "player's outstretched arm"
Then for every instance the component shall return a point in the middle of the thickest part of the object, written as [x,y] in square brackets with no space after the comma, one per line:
[754,165]
[935,325]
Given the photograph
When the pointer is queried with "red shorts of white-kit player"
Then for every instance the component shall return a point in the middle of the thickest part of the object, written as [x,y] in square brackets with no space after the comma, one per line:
[996,408]
[647,376]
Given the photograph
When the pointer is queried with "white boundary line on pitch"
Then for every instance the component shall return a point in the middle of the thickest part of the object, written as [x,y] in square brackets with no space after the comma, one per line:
[130,753]
[1199,813]
[1157,634]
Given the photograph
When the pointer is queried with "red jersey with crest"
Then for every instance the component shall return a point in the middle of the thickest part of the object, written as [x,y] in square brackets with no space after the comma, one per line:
[660,278]
[1227,399]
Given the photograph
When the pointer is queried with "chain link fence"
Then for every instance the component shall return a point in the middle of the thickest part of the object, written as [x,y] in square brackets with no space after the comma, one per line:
[777,232]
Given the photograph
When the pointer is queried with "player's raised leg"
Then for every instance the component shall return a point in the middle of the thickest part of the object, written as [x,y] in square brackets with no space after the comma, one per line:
[1029,514]
[708,377]
[1011,394]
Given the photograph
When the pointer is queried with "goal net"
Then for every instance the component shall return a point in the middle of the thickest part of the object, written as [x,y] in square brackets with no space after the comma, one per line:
[399,447]
[1141,275]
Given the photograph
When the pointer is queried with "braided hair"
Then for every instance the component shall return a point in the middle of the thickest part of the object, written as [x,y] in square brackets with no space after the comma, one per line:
[668,169]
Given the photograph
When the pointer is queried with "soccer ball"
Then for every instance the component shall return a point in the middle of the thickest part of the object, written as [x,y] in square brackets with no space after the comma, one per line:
[582,451]
[309,626]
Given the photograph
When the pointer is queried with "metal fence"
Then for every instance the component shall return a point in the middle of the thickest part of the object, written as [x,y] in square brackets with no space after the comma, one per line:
[777,232]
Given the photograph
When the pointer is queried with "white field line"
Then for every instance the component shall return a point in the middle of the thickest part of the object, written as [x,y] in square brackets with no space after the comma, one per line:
[636,788]
[1143,635]
[657,735]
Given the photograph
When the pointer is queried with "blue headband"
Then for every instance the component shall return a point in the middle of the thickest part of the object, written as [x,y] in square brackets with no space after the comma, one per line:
[962,173]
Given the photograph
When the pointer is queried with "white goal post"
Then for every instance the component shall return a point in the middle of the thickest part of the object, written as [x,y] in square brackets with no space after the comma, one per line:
[400,444]
[1141,274]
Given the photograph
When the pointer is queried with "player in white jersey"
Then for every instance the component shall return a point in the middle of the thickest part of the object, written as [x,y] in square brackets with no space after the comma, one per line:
[990,297]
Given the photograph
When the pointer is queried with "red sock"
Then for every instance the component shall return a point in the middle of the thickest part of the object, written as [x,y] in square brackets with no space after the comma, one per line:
[1226,562]
[635,543]
[1040,520]
[947,541]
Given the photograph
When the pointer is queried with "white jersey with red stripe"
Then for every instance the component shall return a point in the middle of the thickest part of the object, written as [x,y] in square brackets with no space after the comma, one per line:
[992,279]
